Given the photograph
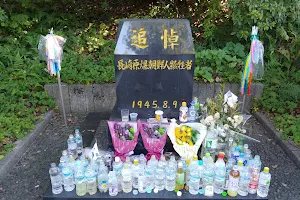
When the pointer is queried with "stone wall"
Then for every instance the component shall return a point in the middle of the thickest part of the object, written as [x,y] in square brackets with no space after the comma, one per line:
[102,97]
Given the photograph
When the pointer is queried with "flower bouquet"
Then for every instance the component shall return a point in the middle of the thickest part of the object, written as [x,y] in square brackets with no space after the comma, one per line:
[124,137]
[154,137]
[222,117]
[187,138]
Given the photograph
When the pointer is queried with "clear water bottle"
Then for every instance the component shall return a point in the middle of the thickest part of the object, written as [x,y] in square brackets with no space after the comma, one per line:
[264,183]
[201,171]
[117,167]
[185,168]
[163,161]
[150,178]
[254,177]
[79,143]
[153,162]
[257,162]
[236,154]
[63,161]
[80,179]
[102,177]
[170,177]
[91,182]
[208,175]
[193,165]
[160,176]
[72,146]
[126,178]
[192,113]
[94,165]
[68,178]
[248,156]
[143,163]
[241,158]
[135,171]
[128,162]
[244,179]
[56,180]
[112,184]
[194,177]
[229,145]
[229,165]
[173,163]
[207,159]
[142,183]
[220,172]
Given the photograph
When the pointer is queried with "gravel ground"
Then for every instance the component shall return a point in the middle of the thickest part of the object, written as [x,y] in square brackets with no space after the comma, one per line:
[29,179]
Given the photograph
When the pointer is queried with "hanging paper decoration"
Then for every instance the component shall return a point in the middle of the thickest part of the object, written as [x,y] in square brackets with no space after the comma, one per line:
[254,64]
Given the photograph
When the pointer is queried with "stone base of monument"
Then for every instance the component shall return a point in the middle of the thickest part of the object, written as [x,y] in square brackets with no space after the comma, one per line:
[165,195]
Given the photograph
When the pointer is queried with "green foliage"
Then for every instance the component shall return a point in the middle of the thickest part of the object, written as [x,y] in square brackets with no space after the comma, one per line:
[289,126]
[220,64]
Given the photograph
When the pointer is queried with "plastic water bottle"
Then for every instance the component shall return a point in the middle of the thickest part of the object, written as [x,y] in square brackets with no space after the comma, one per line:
[248,156]
[173,163]
[264,183]
[241,158]
[80,179]
[56,180]
[233,184]
[229,146]
[160,176]
[128,162]
[94,165]
[236,154]
[142,183]
[79,143]
[143,163]
[220,172]
[150,178]
[257,162]
[193,165]
[201,171]
[194,177]
[72,146]
[185,168]
[163,161]
[68,178]
[192,113]
[229,165]
[135,171]
[153,162]
[180,177]
[102,178]
[170,177]
[112,184]
[126,178]
[208,175]
[63,161]
[244,179]
[207,159]
[91,182]
[117,167]
[254,177]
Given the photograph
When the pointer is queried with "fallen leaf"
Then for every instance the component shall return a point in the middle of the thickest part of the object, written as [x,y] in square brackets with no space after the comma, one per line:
[274,166]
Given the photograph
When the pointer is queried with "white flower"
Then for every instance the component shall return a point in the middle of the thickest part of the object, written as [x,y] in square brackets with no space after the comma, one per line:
[201,105]
[226,126]
[234,125]
[243,131]
[217,116]
[225,109]
[235,117]
[209,118]
[229,119]
[231,99]
[239,119]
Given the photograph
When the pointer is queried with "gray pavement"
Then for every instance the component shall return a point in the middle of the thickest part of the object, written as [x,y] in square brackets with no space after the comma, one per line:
[29,178]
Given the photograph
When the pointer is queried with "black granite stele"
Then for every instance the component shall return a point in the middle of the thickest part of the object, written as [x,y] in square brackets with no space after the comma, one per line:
[142,84]
[165,195]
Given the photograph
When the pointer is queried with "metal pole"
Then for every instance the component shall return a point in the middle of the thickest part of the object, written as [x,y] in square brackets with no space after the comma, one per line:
[62,99]
[244,97]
